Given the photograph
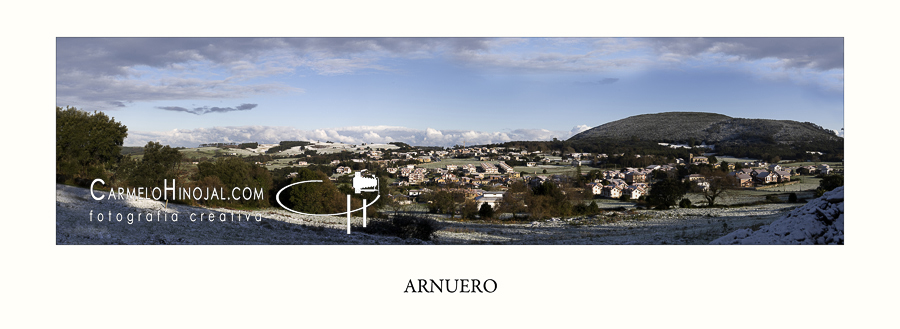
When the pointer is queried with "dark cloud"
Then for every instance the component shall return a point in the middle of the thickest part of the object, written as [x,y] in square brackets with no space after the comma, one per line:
[814,53]
[244,107]
[94,72]
[117,103]
[176,109]
[113,56]
[206,109]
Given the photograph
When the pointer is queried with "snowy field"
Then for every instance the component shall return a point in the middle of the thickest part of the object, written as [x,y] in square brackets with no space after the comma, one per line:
[78,222]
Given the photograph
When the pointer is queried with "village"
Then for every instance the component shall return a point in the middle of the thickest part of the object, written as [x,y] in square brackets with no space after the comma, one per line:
[484,174]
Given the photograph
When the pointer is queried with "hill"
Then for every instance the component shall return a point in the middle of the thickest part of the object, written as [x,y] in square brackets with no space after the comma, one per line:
[707,127]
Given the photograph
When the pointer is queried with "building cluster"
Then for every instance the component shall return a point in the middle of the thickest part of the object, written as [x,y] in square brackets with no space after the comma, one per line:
[488,170]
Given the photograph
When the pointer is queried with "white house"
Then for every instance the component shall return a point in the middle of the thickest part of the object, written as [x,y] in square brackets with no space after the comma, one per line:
[633,192]
[611,191]
[594,188]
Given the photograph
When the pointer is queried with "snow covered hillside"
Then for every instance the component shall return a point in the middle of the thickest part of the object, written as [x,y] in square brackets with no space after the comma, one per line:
[821,221]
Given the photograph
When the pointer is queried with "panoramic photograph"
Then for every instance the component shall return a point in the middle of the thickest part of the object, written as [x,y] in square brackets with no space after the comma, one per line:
[449,141]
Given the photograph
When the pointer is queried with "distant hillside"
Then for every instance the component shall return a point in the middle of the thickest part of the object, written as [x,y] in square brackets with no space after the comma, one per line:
[708,127]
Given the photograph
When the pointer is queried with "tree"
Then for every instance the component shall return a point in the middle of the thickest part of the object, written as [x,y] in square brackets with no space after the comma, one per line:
[158,164]
[593,175]
[86,144]
[723,166]
[719,182]
[486,211]
[832,181]
[315,198]
[666,193]
[828,183]
[514,199]
[469,210]
[547,199]
[442,202]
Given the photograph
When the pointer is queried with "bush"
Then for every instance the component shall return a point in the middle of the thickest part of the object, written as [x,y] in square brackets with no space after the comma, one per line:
[831,182]
[667,192]
[773,198]
[792,198]
[486,211]
[402,226]
[685,203]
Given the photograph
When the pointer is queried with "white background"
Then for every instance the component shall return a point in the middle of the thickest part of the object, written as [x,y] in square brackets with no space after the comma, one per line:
[45,285]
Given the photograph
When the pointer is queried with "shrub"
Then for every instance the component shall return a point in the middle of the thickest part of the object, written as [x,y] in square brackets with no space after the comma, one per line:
[792,198]
[685,203]
[831,182]
[486,211]
[402,226]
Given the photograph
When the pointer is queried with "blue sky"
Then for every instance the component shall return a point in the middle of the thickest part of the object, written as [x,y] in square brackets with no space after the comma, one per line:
[438,91]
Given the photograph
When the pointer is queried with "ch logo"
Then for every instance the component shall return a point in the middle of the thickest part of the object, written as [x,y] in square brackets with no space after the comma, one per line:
[360,184]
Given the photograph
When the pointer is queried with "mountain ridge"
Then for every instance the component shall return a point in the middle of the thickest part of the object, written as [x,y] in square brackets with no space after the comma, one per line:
[706,127]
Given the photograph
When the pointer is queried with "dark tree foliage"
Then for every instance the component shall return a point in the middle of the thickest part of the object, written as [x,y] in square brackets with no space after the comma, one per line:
[486,211]
[513,201]
[831,182]
[403,226]
[833,150]
[666,193]
[284,145]
[158,163]
[593,175]
[548,200]
[468,210]
[749,144]
[86,143]
[235,172]
[443,202]
[258,158]
[586,209]
[403,146]
[314,197]
[828,183]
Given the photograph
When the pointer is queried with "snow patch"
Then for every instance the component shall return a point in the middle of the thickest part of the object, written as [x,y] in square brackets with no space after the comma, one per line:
[821,221]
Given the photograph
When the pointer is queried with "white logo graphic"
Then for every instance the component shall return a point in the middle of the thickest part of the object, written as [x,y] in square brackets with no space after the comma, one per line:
[360,184]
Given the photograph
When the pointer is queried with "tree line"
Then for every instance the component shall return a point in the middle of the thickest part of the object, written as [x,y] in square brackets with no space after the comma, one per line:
[88,146]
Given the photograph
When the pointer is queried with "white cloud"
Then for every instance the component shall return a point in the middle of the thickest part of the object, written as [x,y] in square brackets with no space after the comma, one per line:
[579,128]
[350,135]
